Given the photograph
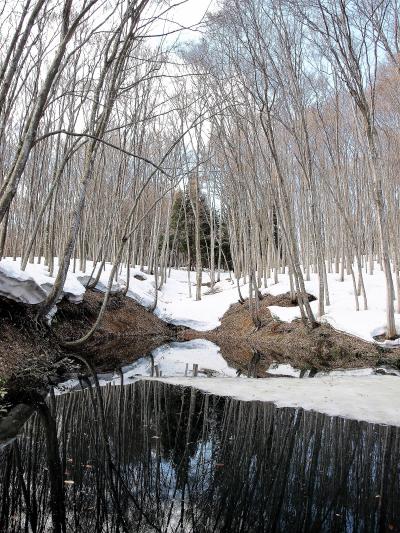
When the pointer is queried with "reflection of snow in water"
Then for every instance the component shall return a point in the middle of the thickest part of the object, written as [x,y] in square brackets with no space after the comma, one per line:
[286,370]
[171,360]
[177,359]
[353,393]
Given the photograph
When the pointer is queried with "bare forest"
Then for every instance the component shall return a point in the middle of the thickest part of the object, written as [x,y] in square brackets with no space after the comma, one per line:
[199,266]
[279,124]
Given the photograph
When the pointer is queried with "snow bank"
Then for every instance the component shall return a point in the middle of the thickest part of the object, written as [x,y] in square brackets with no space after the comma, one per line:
[342,314]
[176,307]
[371,399]
[18,286]
[32,285]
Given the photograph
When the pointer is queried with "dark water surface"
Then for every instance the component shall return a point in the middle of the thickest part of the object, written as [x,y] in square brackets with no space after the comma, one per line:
[153,457]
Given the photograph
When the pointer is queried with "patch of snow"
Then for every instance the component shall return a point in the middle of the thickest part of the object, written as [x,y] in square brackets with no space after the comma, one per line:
[277,369]
[390,343]
[287,370]
[73,289]
[387,371]
[177,308]
[67,386]
[355,372]
[371,399]
[33,285]
[285,314]
[342,314]
[18,286]
[144,297]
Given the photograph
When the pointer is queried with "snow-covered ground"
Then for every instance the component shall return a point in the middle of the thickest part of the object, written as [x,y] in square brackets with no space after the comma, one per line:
[32,285]
[371,399]
[175,306]
[342,314]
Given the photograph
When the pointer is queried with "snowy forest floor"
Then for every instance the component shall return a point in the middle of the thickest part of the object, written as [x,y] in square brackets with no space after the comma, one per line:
[31,357]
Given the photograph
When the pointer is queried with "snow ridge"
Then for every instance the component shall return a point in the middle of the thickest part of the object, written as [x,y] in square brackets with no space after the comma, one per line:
[176,307]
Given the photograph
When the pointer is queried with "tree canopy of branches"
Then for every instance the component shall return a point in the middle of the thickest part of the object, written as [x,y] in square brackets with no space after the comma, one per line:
[306,139]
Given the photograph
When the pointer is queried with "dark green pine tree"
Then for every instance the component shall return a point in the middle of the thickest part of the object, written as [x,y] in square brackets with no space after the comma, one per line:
[178,238]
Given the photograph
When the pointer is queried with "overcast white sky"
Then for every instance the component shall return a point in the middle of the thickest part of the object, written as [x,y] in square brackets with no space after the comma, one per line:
[192,11]
[189,14]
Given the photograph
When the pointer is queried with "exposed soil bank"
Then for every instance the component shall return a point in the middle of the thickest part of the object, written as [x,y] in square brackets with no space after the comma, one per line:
[322,348]
[31,354]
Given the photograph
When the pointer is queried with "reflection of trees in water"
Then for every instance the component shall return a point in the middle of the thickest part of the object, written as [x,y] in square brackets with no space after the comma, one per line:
[152,457]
